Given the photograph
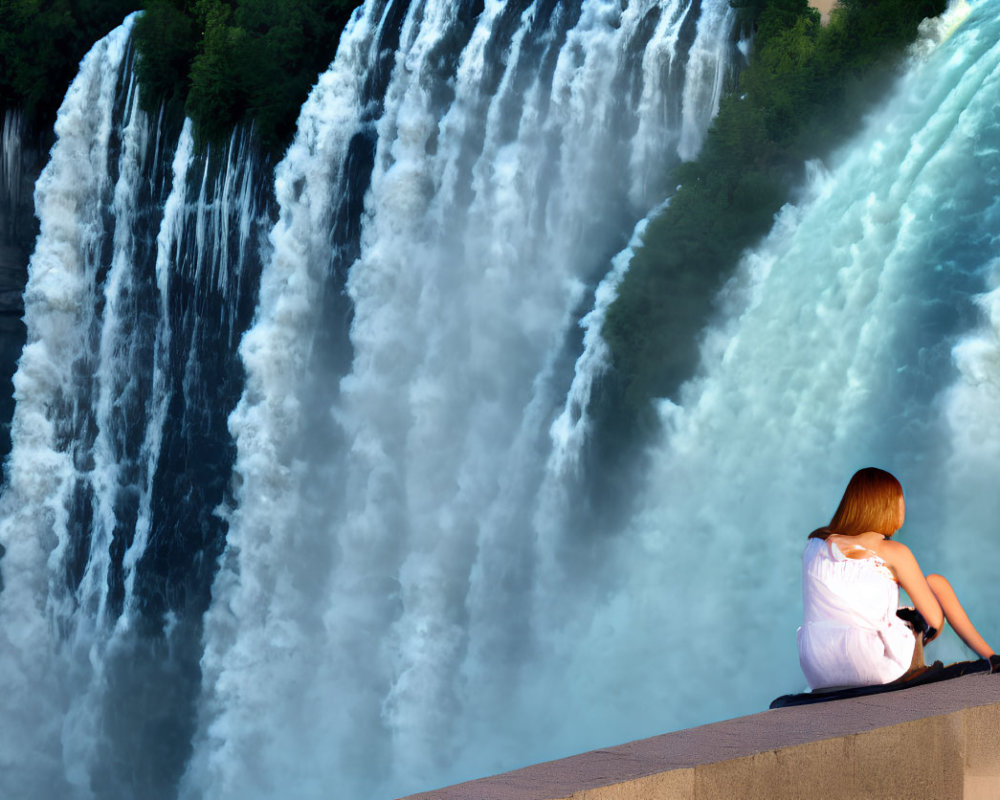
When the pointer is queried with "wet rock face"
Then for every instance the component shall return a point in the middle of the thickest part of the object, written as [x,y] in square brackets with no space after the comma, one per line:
[22,157]
[22,154]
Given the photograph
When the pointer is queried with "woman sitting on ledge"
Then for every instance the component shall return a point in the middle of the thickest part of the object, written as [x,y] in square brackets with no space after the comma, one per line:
[851,574]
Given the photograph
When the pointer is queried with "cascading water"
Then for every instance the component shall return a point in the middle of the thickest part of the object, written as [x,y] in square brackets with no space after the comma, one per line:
[139,287]
[50,423]
[19,169]
[853,335]
[372,622]
[407,591]
[10,164]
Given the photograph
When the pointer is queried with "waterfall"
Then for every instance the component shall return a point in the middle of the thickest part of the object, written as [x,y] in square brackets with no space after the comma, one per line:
[296,503]
[139,286]
[573,427]
[861,332]
[10,164]
[371,622]
[19,169]
[44,475]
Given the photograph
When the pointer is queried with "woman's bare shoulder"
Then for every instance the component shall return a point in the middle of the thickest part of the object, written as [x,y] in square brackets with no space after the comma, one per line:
[860,545]
[870,540]
[893,552]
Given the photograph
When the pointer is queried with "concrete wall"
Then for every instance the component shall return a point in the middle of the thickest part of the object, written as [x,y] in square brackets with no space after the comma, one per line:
[935,742]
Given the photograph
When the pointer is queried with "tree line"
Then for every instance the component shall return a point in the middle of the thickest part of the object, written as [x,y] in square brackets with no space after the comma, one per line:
[252,62]
[221,62]
[805,88]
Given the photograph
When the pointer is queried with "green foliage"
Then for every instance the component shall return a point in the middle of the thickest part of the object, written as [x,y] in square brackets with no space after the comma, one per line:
[41,44]
[805,87]
[223,62]
[239,61]
[169,44]
[216,100]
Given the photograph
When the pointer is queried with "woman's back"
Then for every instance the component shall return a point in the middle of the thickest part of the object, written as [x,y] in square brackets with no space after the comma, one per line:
[850,634]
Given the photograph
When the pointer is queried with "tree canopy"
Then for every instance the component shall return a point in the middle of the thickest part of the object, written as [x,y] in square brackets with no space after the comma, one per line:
[806,86]
[223,62]
[238,61]
[41,44]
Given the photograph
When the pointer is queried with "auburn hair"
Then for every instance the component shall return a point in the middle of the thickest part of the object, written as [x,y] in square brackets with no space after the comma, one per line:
[870,503]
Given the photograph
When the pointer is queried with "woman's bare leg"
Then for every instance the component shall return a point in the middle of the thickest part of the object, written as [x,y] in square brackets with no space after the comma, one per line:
[955,614]
[917,663]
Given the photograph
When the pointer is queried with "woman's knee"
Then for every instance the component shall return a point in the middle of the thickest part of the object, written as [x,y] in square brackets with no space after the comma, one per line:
[937,582]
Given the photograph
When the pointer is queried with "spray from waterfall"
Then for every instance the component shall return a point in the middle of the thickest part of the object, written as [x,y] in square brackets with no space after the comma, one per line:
[852,336]
[371,602]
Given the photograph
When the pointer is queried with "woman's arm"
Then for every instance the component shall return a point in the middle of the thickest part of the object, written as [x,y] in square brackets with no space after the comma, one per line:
[956,615]
[932,595]
[911,578]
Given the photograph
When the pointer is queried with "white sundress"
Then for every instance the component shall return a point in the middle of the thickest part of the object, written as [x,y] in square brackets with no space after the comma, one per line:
[850,635]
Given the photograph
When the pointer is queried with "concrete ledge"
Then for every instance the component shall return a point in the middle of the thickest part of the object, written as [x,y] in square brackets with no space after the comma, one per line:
[941,740]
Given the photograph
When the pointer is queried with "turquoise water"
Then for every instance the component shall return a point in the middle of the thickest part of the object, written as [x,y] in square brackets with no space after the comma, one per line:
[861,332]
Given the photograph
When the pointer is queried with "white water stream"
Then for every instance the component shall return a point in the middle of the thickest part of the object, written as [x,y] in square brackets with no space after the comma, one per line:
[375,603]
